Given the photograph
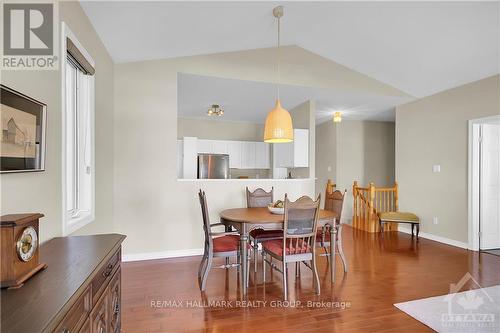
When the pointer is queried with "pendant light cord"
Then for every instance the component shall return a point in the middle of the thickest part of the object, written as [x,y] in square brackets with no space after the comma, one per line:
[278,62]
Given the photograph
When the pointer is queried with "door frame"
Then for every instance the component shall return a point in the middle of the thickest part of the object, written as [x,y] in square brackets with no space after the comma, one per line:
[473,189]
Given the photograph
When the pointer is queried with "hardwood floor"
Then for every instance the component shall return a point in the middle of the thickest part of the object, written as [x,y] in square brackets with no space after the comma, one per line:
[382,271]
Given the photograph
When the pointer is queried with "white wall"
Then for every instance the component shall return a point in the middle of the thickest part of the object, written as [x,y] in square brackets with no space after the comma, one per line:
[434,130]
[41,191]
[150,205]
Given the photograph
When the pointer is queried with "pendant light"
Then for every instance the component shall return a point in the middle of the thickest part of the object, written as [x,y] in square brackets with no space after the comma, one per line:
[278,127]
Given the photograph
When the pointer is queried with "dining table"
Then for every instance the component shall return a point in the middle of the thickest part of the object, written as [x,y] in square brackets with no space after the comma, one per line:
[245,220]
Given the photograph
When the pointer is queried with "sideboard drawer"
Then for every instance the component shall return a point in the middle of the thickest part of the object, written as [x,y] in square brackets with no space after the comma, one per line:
[102,278]
[76,316]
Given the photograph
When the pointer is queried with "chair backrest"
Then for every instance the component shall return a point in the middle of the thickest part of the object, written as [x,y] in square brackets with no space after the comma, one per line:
[259,198]
[300,222]
[206,218]
[334,201]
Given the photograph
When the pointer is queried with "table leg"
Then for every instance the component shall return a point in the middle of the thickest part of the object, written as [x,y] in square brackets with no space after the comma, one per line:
[333,244]
[227,229]
[244,262]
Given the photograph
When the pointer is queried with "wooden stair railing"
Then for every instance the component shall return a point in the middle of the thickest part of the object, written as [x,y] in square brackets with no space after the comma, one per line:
[369,201]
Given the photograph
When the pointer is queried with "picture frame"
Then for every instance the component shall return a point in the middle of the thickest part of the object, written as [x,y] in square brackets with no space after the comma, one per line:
[23,137]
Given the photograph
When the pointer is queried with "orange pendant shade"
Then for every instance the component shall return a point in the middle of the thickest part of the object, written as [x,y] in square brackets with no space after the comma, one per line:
[278,127]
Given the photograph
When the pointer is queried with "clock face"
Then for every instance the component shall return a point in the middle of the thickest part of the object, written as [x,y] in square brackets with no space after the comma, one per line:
[27,243]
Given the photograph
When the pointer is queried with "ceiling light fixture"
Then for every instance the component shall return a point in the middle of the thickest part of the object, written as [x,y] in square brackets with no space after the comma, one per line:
[337,117]
[215,110]
[278,127]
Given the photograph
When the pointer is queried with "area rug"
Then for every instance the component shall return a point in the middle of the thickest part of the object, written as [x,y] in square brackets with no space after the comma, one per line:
[476,310]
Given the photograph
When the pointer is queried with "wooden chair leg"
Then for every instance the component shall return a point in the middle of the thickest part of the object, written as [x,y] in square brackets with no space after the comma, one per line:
[205,273]
[248,271]
[340,248]
[285,281]
[263,266]
[418,230]
[333,259]
[316,283]
[412,225]
[255,255]
[200,269]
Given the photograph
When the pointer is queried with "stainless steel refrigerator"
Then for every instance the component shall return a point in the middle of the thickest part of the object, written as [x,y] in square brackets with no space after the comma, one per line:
[213,166]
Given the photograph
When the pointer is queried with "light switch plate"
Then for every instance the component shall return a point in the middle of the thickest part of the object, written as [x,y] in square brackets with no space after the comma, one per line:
[436,168]
[435,220]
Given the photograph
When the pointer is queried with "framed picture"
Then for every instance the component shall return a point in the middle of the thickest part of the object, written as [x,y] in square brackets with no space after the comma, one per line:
[22,141]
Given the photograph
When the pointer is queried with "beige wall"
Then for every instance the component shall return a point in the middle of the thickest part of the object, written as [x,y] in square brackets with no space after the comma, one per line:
[434,130]
[355,150]
[149,202]
[219,130]
[41,191]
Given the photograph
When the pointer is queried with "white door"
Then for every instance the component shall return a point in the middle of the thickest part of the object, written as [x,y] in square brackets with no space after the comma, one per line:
[490,187]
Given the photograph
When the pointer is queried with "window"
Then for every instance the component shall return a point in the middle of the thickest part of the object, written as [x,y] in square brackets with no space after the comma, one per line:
[78,133]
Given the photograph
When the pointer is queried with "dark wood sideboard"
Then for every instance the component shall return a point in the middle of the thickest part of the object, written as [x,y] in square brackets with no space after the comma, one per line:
[80,291]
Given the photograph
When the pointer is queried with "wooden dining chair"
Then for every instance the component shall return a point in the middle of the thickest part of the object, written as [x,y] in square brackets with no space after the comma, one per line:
[297,244]
[260,198]
[334,201]
[217,244]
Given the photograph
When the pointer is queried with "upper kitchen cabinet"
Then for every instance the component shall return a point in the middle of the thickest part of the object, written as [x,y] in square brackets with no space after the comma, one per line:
[262,155]
[294,154]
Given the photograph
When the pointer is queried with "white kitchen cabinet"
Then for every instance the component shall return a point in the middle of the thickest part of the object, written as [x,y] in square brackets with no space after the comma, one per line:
[204,146]
[234,151]
[248,156]
[294,154]
[262,155]
[219,147]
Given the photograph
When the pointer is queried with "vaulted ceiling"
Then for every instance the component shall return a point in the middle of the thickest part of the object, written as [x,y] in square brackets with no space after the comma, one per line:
[418,47]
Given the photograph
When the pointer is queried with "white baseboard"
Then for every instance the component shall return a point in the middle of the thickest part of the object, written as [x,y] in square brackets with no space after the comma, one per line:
[439,239]
[162,254]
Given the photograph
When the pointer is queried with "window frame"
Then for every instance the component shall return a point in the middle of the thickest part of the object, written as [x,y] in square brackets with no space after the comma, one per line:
[72,223]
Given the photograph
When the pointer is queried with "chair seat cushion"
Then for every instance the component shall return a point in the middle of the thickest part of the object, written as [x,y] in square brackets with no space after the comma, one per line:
[276,246]
[259,234]
[398,217]
[226,243]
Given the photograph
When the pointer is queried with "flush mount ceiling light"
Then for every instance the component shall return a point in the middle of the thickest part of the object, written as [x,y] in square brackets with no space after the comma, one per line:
[278,127]
[215,110]
[337,117]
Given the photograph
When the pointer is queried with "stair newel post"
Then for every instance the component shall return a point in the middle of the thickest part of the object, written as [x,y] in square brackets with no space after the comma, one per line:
[355,204]
[396,197]
[371,207]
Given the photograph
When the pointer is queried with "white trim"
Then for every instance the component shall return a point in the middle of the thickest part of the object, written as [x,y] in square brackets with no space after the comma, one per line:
[71,225]
[162,255]
[435,238]
[473,181]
